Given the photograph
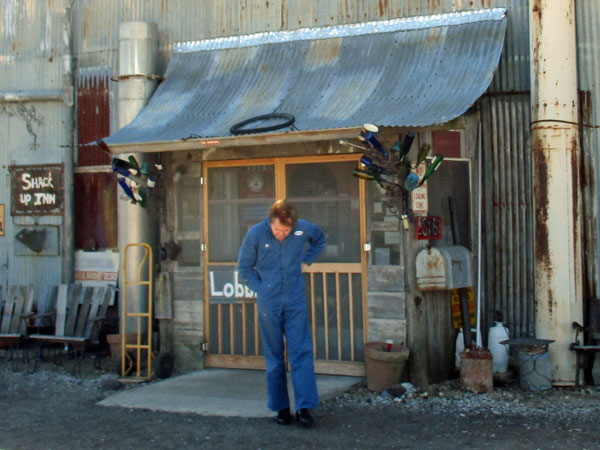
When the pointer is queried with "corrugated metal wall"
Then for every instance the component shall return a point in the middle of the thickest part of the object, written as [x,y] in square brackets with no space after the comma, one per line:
[31,47]
[588,61]
[508,213]
[32,132]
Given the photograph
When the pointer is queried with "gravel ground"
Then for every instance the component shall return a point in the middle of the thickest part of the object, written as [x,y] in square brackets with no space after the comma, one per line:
[52,409]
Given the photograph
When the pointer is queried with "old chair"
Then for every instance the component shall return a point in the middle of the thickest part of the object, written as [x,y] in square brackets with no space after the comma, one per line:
[17,309]
[586,351]
[79,314]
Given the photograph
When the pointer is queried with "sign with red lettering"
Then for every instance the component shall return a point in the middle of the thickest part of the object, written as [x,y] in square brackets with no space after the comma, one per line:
[428,228]
[419,198]
[37,190]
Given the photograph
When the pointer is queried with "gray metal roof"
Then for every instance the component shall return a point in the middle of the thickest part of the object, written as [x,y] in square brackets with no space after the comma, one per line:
[409,72]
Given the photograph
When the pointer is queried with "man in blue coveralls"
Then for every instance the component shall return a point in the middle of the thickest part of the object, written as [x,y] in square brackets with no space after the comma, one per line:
[270,263]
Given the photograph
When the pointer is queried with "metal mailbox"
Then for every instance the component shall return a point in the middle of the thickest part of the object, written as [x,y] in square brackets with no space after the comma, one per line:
[444,268]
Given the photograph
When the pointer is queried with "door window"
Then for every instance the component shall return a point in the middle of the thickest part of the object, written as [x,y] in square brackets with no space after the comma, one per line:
[327,195]
[238,197]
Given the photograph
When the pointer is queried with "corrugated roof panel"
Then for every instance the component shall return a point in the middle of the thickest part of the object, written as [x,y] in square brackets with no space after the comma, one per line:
[417,71]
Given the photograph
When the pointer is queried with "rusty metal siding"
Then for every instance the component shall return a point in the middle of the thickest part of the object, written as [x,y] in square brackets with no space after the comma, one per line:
[31,58]
[93,114]
[96,43]
[95,193]
[508,213]
[588,61]
[508,216]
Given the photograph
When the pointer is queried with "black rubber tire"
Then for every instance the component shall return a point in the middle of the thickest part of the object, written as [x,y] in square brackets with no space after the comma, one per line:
[238,128]
[164,365]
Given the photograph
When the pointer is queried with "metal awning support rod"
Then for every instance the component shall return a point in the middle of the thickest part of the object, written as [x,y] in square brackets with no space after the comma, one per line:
[50,95]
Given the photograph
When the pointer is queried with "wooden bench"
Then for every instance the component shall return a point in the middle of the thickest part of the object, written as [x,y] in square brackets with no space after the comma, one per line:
[79,314]
[16,310]
[586,352]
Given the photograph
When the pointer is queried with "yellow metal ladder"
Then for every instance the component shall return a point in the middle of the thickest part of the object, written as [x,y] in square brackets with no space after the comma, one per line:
[139,314]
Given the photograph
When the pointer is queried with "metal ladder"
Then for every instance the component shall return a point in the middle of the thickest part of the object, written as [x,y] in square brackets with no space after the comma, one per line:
[127,361]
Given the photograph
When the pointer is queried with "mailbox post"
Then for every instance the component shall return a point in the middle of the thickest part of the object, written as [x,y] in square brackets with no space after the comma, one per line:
[445,268]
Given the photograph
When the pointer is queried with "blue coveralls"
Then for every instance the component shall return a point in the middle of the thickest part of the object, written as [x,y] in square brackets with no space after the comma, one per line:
[272,269]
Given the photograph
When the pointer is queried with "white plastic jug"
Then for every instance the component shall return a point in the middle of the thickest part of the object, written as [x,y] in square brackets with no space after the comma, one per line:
[499,351]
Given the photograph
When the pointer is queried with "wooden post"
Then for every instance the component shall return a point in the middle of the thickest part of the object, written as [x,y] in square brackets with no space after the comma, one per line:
[416,316]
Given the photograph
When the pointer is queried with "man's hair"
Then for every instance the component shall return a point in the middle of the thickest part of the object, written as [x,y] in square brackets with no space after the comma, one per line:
[284,211]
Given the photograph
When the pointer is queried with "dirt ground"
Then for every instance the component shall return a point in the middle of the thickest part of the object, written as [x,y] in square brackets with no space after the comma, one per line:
[52,409]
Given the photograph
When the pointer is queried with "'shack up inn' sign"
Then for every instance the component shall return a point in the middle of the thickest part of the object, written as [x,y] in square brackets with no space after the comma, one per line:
[37,190]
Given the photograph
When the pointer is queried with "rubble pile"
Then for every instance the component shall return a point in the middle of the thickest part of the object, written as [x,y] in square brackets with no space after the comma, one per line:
[448,398]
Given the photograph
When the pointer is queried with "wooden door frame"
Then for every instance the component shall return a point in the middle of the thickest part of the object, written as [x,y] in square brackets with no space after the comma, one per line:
[279,165]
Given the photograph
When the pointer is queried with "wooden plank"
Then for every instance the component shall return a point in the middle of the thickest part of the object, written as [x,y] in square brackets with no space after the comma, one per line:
[313,313]
[231,331]
[61,310]
[17,310]
[72,308]
[9,306]
[97,298]
[29,299]
[28,296]
[383,329]
[83,313]
[388,305]
[338,312]
[235,362]
[244,337]
[219,328]
[351,316]
[332,267]
[343,368]
[386,278]
[276,138]
[256,329]
[325,315]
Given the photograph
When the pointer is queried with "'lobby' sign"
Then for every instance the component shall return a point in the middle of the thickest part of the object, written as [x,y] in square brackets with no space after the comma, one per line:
[37,190]
[225,285]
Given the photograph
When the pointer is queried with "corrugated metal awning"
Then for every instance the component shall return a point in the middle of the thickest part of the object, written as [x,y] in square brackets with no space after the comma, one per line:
[411,72]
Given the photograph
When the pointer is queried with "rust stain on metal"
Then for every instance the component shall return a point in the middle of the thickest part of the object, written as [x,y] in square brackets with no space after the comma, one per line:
[585,116]
[324,51]
[283,16]
[383,8]
[93,120]
[541,201]
[434,5]
[537,10]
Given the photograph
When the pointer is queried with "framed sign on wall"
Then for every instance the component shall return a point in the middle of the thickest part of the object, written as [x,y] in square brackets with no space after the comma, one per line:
[37,190]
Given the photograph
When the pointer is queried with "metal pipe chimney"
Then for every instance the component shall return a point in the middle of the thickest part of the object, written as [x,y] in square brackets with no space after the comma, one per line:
[138,50]
[557,191]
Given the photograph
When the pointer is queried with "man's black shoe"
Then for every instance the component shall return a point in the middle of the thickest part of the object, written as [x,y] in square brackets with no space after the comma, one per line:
[284,417]
[304,418]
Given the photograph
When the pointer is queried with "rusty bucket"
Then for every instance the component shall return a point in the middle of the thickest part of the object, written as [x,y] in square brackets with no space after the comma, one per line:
[476,373]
